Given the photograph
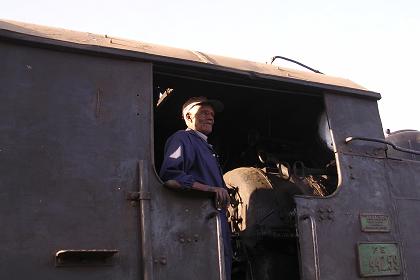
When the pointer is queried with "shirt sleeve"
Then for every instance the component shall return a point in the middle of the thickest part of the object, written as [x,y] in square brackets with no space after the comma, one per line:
[177,160]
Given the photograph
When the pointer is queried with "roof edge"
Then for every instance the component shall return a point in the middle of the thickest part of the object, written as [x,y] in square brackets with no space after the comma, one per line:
[156,53]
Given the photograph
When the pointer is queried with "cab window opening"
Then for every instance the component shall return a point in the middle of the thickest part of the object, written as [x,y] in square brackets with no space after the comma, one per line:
[275,137]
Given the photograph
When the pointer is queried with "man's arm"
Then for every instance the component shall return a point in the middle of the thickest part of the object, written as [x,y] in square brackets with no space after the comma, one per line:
[221,195]
[221,199]
[176,161]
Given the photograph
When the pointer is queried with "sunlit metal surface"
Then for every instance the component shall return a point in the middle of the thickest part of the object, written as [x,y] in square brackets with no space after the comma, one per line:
[97,42]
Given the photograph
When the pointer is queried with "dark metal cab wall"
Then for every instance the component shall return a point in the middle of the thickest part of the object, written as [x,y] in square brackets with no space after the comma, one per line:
[354,117]
[405,190]
[332,230]
[73,128]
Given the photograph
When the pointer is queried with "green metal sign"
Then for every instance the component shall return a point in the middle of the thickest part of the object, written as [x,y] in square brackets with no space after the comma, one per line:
[379,259]
[375,223]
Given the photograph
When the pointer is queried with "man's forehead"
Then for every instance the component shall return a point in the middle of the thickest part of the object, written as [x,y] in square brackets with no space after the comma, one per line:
[206,106]
[202,107]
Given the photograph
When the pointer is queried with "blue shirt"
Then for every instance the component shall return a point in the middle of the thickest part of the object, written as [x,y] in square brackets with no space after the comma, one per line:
[189,158]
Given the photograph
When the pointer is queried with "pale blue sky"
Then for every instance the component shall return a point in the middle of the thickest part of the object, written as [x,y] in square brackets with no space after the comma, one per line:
[373,43]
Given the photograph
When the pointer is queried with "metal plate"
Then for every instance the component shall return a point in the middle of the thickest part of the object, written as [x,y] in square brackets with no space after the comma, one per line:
[379,259]
[375,222]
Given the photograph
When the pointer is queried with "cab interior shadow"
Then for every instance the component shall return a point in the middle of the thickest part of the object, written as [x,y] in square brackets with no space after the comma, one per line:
[273,143]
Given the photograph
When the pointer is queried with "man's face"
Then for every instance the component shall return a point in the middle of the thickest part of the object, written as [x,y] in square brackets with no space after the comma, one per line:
[201,118]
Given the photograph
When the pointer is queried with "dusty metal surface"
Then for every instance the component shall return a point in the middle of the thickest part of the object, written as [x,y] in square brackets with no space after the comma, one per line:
[80,197]
[153,52]
[71,135]
[354,117]
[185,236]
[408,142]
[376,202]
[405,191]
[328,243]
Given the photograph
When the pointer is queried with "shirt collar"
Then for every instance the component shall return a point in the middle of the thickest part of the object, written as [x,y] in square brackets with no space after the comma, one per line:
[202,135]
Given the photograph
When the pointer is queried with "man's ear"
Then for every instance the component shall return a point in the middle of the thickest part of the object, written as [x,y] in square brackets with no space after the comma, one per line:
[188,117]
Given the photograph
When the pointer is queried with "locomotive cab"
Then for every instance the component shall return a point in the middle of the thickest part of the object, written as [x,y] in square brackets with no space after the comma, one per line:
[273,143]
[315,191]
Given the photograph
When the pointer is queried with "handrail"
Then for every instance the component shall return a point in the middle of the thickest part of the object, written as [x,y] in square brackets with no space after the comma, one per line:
[145,224]
[294,61]
[314,244]
[404,150]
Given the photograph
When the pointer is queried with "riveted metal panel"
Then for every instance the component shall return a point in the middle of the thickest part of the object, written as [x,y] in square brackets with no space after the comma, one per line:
[329,228]
[186,243]
[403,176]
[376,202]
[72,130]
[329,242]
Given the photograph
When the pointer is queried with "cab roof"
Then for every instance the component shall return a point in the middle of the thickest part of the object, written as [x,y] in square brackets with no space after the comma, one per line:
[85,41]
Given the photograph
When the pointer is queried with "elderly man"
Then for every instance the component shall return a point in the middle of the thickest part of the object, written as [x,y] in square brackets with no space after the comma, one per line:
[191,161]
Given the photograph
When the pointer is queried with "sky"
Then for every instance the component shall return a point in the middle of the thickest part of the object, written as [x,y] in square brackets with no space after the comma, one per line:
[373,43]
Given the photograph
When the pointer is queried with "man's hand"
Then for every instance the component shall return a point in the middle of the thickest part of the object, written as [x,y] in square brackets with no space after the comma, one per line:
[221,199]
